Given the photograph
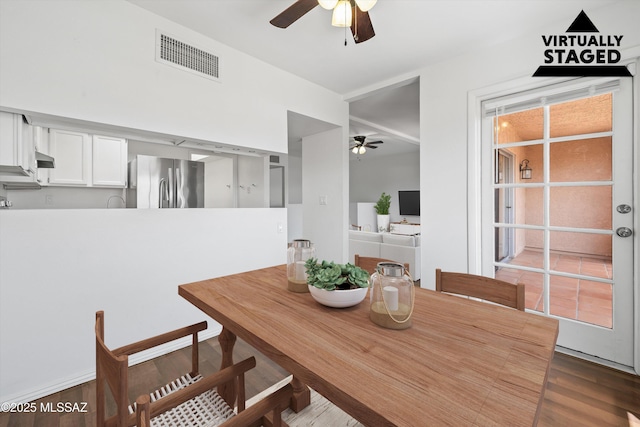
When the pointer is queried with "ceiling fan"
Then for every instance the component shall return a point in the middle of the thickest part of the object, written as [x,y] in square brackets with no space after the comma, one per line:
[346,13]
[360,146]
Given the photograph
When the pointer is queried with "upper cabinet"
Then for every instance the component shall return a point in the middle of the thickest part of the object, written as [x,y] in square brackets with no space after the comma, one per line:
[72,153]
[17,146]
[85,160]
[109,161]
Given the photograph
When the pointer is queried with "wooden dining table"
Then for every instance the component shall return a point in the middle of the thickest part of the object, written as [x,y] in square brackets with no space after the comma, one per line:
[462,362]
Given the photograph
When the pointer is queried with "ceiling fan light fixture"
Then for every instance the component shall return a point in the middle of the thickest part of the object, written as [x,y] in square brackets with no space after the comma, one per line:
[342,14]
[365,5]
[362,150]
[355,150]
[328,4]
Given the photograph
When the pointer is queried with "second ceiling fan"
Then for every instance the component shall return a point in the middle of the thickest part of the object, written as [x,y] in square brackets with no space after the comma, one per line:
[361,146]
[346,13]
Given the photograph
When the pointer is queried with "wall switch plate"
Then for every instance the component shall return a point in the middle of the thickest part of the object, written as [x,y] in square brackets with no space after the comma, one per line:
[280,228]
[323,200]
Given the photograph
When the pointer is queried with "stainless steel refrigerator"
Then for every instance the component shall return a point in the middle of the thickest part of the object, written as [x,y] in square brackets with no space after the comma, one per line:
[155,183]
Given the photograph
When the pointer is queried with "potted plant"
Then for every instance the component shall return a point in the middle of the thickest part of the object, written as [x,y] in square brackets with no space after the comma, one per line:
[336,285]
[382,209]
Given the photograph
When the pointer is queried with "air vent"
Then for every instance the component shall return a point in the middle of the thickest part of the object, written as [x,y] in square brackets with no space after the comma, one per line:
[182,55]
[274,159]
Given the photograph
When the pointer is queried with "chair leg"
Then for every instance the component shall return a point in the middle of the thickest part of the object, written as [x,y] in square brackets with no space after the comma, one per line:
[143,417]
[195,366]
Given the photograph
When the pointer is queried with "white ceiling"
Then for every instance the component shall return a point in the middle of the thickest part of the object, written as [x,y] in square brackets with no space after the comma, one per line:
[410,35]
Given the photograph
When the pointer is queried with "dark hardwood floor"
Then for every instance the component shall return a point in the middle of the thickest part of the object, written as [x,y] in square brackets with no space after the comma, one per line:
[579,393]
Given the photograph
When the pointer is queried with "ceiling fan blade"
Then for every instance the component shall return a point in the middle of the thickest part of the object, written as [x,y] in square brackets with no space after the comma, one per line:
[293,13]
[371,146]
[375,142]
[362,29]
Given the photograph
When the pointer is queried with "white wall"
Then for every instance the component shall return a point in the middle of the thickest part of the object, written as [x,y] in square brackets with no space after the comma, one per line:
[58,267]
[323,164]
[444,88]
[294,179]
[94,61]
[81,59]
[369,177]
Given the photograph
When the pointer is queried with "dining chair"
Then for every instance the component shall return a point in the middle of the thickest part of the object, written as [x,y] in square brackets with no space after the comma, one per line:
[369,264]
[190,400]
[485,288]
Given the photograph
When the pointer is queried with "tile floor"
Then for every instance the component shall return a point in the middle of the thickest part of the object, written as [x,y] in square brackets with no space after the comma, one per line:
[578,299]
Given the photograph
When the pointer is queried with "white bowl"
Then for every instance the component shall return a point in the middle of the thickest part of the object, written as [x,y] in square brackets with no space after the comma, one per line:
[338,298]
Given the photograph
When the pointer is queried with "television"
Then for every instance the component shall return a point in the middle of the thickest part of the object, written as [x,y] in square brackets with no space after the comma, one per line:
[409,202]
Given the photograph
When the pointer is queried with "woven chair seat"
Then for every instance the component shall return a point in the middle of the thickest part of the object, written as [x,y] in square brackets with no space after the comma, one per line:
[205,410]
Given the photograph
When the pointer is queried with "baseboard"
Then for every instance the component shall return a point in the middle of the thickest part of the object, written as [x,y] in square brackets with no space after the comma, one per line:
[596,360]
[86,376]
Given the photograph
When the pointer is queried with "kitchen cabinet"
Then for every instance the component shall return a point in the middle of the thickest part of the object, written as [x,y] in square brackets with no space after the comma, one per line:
[17,148]
[72,153]
[87,160]
[109,165]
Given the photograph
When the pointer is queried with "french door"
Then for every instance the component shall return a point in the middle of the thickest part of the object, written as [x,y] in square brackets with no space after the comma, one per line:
[558,164]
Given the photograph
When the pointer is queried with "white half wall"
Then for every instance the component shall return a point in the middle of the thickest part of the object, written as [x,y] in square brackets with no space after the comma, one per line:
[58,267]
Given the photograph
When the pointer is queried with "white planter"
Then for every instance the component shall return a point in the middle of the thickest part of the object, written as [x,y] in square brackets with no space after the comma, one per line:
[338,298]
[383,223]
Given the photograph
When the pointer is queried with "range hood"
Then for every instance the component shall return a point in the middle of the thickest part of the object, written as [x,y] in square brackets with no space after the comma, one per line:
[21,186]
[44,161]
[13,170]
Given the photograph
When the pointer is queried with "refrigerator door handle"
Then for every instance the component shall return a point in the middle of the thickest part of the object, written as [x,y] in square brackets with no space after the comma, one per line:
[172,185]
[179,190]
[162,193]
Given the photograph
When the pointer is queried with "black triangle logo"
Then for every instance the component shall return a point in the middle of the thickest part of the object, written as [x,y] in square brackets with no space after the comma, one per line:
[582,24]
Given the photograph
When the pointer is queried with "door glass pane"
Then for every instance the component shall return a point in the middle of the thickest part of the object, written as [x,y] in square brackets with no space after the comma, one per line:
[580,299]
[583,207]
[529,206]
[563,296]
[595,303]
[589,115]
[581,160]
[517,127]
[581,244]
[585,264]
[533,282]
[533,156]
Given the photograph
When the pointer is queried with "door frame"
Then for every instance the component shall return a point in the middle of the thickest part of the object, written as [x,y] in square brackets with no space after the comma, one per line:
[509,196]
[474,179]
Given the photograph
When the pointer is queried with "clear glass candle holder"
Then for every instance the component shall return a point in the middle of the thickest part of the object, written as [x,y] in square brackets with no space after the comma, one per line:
[392,296]
[298,252]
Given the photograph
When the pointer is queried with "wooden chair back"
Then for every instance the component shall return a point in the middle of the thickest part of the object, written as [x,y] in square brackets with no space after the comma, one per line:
[111,374]
[111,370]
[486,288]
[369,264]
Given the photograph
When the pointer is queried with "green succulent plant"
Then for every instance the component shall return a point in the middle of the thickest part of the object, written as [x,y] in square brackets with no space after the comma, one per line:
[383,204]
[331,276]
